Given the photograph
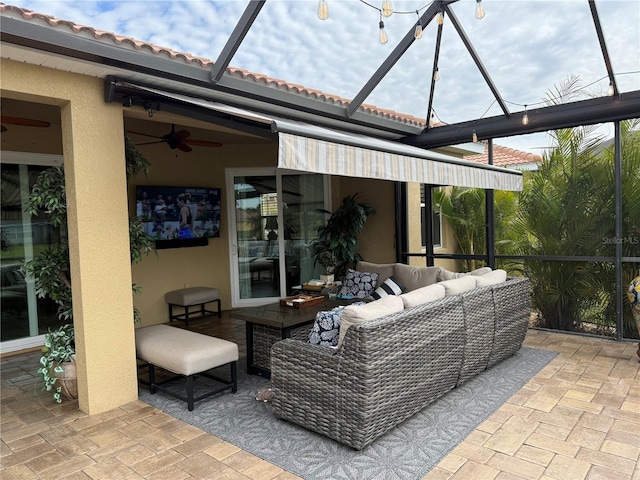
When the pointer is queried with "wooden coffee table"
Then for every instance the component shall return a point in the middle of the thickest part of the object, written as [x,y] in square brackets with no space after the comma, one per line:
[270,323]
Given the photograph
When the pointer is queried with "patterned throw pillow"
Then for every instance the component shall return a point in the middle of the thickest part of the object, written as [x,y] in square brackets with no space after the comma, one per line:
[389,287]
[358,284]
[326,328]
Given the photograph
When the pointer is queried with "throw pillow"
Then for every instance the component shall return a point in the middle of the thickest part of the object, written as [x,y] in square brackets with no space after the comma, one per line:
[445,274]
[459,285]
[361,313]
[423,295]
[326,328]
[415,277]
[358,284]
[497,276]
[389,287]
[481,271]
[384,270]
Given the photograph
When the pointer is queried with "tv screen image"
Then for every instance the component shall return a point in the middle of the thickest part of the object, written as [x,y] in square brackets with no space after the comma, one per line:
[178,213]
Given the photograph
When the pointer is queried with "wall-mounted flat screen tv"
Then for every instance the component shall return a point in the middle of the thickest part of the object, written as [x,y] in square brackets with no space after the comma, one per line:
[179,216]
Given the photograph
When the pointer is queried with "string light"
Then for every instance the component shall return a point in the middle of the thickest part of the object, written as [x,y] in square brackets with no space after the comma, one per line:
[436,75]
[417,34]
[382,34]
[440,18]
[387,9]
[525,117]
[611,89]
[323,10]
[479,10]
[474,137]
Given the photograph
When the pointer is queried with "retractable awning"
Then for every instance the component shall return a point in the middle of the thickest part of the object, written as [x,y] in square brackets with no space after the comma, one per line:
[312,148]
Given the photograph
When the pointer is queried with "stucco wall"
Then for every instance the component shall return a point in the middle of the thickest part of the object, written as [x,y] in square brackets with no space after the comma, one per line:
[93,150]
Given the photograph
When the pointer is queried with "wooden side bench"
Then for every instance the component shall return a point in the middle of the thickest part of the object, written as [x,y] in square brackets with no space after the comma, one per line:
[187,354]
[192,297]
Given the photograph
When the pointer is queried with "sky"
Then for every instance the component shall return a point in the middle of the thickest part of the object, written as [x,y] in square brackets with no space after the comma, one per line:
[529,48]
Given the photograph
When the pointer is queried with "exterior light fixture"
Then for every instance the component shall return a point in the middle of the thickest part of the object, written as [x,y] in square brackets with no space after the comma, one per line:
[479,10]
[323,10]
[387,8]
[525,117]
[417,34]
[383,34]
[611,89]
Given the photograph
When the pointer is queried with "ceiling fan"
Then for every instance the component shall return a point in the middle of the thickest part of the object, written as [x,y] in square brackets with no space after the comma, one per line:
[23,122]
[178,140]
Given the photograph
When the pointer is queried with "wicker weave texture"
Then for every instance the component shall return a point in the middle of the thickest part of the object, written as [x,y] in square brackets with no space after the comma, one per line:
[389,368]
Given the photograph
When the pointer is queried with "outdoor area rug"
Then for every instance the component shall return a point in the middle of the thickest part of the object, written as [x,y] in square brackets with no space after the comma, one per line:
[407,452]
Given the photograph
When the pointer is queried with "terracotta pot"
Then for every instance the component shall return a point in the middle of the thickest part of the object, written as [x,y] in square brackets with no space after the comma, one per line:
[67,380]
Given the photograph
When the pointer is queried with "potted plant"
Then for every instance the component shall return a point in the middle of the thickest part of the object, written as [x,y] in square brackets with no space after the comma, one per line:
[339,236]
[50,269]
[329,261]
[58,362]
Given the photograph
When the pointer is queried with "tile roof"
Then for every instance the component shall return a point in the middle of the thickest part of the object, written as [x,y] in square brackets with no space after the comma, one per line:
[505,156]
[502,155]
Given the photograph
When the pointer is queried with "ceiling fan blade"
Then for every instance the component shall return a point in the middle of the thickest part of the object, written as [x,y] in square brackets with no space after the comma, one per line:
[3,128]
[23,122]
[144,134]
[149,143]
[180,135]
[184,147]
[203,143]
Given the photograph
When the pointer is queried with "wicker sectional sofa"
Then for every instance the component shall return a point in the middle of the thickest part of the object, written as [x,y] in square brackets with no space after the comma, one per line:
[389,368]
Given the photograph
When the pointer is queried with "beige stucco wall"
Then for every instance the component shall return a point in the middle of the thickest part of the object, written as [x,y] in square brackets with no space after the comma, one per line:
[93,150]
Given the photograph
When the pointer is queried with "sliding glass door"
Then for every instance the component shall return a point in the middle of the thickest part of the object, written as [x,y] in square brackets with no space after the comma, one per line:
[273,219]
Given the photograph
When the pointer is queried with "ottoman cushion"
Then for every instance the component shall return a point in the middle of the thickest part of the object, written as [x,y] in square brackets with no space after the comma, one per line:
[192,296]
[181,351]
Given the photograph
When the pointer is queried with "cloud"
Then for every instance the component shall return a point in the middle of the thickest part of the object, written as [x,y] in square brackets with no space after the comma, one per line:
[527,47]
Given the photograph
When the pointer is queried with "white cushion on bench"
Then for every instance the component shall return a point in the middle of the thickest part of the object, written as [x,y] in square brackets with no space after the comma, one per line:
[182,351]
[192,296]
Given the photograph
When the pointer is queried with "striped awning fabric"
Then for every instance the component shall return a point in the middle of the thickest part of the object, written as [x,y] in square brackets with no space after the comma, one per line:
[311,148]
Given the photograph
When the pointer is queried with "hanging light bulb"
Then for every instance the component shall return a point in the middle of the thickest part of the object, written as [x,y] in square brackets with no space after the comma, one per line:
[440,18]
[474,137]
[417,34]
[387,8]
[479,10]
[525,117]
[611,89]
[383,34]
[436,75]
[323,10]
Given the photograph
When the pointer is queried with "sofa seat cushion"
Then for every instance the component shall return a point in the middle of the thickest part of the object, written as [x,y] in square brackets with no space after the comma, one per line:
[423,295]
[415,277]
[389,287]
[354,314]
[359,284]
[459,285]
[496,276]
[384,270]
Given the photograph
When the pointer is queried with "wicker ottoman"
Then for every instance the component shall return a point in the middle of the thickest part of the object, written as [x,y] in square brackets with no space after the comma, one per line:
[192,297]
[186,354]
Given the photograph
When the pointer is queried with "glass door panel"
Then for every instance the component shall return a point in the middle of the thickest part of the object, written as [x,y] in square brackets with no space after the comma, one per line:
[274,218]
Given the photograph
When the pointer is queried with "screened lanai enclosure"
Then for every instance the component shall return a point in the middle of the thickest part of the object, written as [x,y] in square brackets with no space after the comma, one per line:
[558,76]
[558,79]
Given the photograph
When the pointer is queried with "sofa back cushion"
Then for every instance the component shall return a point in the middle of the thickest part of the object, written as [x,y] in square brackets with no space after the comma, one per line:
[423,295]
[459,285]
[384,270]
[362,313]
[444,274]
[496,276]
[415,277]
